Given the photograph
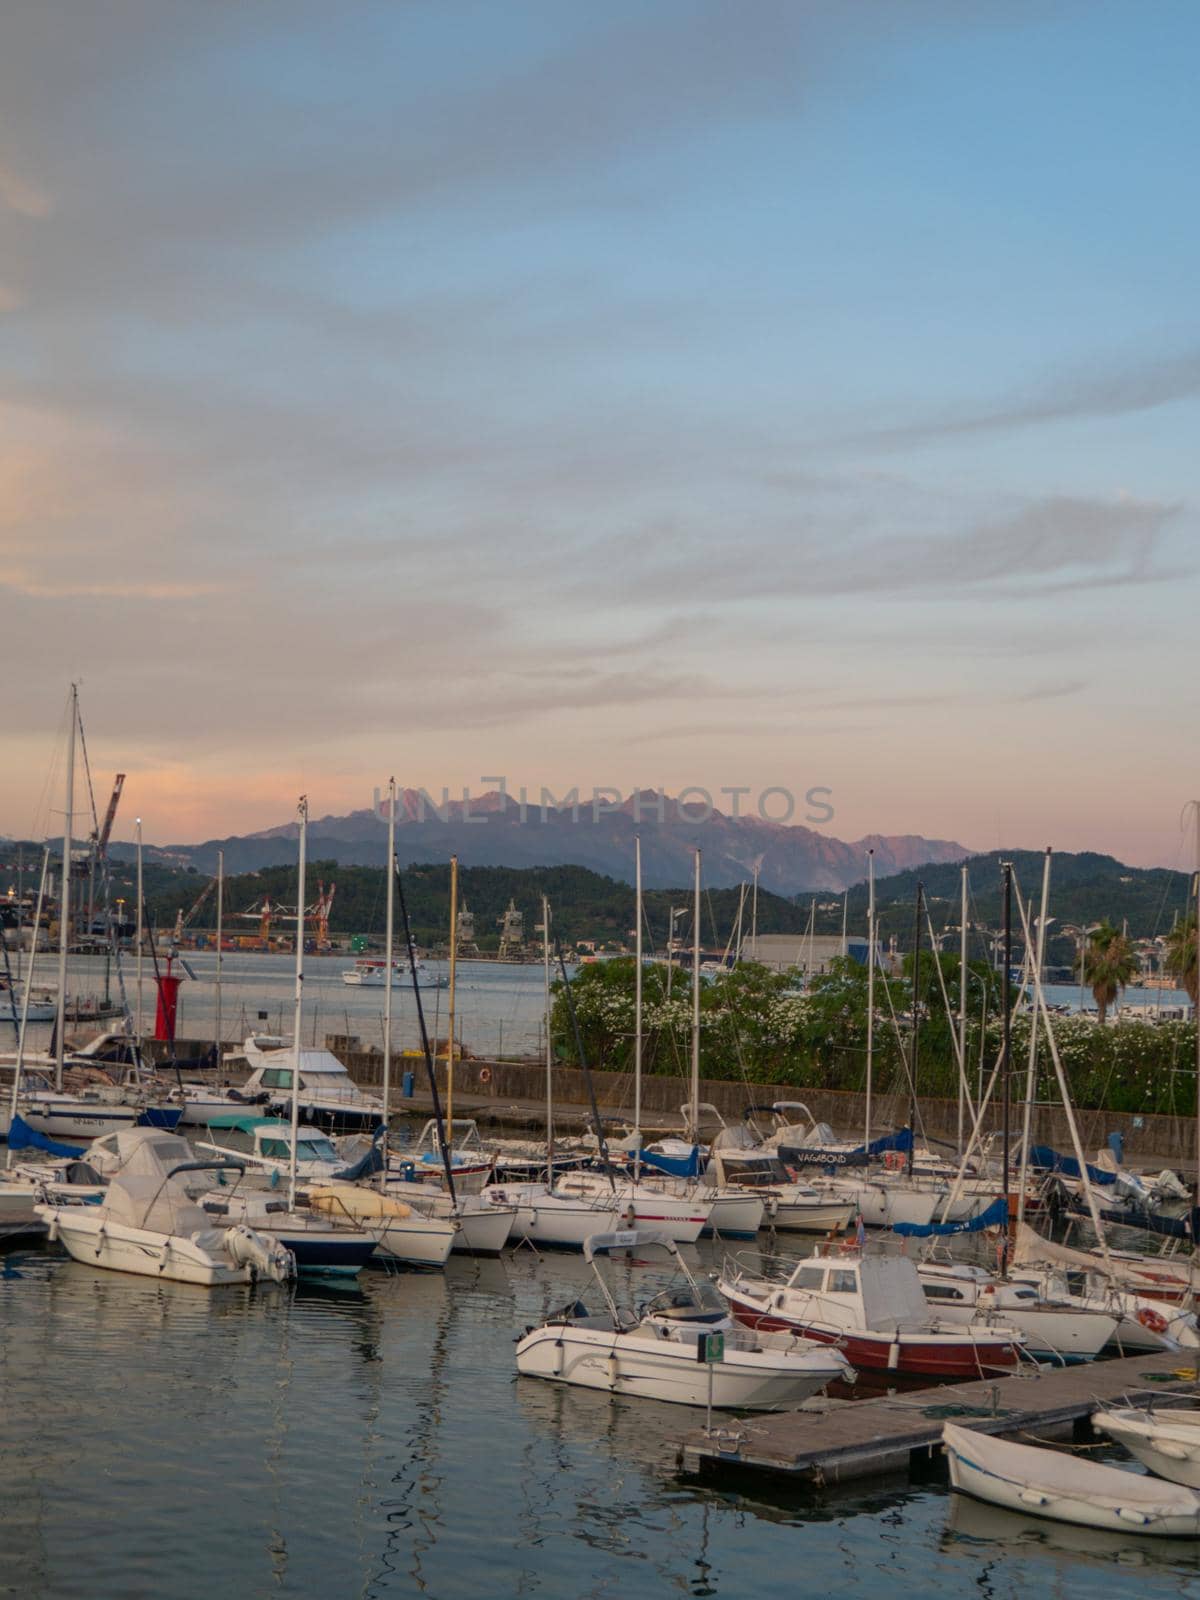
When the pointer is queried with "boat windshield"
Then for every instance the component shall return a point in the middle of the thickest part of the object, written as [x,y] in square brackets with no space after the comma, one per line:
[681,1300]
[756,1172]
[309,1149]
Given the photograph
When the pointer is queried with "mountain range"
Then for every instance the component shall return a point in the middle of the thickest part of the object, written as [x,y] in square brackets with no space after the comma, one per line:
[496,830]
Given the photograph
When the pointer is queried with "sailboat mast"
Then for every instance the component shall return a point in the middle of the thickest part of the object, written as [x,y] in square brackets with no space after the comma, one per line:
[754,915]
[916,1030]
[1006,1049]
[695,1107]
[637,1004]
[962,1008]
[870,990]
[1031,1070]
[1196,1015]
[298,1014]
[450,999]
[388,958]
[549,1046]
[64,909]
[20,1061]
[141,930]
[220,939]
[845,909]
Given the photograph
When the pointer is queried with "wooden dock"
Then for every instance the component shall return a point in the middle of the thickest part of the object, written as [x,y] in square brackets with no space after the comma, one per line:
[831,1442]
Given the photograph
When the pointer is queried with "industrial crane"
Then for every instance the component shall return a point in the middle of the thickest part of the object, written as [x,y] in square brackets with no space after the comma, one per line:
[181,921]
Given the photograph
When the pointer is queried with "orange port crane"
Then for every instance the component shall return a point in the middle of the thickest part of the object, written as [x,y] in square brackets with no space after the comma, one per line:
[321,911]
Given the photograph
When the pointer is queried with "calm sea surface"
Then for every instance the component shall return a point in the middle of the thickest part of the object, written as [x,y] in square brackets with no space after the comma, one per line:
[498,1008]
[165,1441]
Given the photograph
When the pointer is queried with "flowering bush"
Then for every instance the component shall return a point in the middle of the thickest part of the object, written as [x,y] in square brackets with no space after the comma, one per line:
[758,1024]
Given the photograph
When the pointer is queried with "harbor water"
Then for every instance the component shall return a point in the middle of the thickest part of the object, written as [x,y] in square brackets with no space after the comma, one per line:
[499,1008]
[165,1441]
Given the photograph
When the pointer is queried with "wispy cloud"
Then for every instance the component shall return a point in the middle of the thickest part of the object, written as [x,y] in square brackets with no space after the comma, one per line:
[1107,390]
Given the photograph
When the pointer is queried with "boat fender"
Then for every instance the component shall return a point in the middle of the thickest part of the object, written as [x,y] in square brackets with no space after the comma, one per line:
[629,1219]
[1172,1451]
[893,1356]
[1128,1514]
[52,1232]
[1154,1320]
[1034,1497]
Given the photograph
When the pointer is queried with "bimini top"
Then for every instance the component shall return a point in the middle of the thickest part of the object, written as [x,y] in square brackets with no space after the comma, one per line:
[627,1239]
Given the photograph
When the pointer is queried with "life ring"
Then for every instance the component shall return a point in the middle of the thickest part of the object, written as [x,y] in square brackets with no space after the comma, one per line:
[485,1074]
[1154,1320]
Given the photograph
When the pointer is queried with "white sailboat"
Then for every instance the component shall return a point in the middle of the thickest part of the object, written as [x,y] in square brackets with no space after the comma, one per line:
[547,1216]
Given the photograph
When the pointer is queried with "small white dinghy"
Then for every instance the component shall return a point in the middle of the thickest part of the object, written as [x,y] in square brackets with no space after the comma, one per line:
[1166,1440]
[655,1350]
[1050,1483]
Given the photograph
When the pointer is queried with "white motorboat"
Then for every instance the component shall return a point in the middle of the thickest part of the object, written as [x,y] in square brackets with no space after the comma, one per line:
[368,974]
[654,1351]
[552,1220]
[148,1223]
[329,1097]
[1053,1484]
[872,1307]
[1051,1330]
[317,1157]
[1166,1440]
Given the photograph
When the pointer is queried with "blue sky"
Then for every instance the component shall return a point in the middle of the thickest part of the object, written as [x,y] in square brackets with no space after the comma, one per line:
[662,393]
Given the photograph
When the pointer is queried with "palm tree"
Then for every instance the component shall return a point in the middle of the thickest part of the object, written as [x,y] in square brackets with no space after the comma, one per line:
[1111,963]
[1180,959]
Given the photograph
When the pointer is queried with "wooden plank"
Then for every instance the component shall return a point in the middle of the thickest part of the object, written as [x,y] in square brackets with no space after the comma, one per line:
[871,1438]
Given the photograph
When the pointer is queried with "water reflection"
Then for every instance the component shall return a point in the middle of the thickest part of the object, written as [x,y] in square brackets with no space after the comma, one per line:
[980,1534]
[161,1439]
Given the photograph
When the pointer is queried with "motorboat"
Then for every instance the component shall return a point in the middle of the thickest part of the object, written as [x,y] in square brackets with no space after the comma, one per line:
[1166,1440]
[1053,1484]
[484,1224]
[329,1097]
[874,1308]
[1051,1330]
[147,1221]
[372,974]
[654,1351]
[553,1220]
[317,1157]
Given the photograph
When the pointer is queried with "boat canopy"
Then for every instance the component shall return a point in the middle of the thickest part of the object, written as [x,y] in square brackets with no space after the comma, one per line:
[993,1216]
[22,1137]
[627,1239]
[240,1122]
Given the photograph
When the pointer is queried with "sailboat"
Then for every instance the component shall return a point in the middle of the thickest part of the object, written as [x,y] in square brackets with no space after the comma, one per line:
[678,1205]
[547,1215]
[47,1106]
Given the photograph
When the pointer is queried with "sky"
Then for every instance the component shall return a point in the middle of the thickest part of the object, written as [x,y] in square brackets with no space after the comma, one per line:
[662,393]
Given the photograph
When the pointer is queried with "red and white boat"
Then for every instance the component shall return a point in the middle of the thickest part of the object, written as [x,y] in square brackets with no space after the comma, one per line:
[874,1309]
